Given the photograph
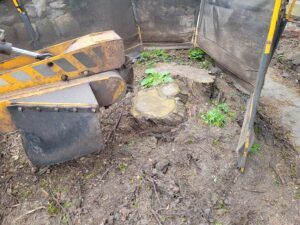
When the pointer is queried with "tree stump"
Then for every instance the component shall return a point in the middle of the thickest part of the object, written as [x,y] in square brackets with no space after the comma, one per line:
[165,104]
[161,105]
[197,82]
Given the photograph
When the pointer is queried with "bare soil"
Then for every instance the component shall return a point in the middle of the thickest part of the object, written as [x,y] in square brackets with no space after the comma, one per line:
[158,174]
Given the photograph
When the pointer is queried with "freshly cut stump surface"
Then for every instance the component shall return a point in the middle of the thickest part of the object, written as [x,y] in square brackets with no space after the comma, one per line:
[160,104]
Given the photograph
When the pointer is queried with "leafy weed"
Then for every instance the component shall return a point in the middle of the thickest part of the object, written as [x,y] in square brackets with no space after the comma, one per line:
[255,148]
[196,54]
[123,167]
[217,115]
[52,208]
[153,56]
[155,78]
[205,65]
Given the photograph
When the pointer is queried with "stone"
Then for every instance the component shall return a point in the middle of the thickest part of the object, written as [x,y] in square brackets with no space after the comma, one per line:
[67,26]
[56,13]
[143,222]
[7,20]
[207,211]
[215,71]
[58,4]
[21,32]
[10,34]
[285,74]
[214,198]
[124,212]
[163,165]
[221,212]
[46,30]
[40,7]
[110,220]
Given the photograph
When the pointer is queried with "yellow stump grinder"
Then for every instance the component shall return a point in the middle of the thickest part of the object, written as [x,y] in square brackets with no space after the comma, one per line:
[53,96]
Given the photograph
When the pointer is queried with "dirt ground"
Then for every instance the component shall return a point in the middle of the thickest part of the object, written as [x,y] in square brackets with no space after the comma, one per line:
[159,174]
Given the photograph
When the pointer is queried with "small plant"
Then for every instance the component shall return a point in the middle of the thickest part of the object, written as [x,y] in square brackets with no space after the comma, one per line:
[123,167]
[154,56]
[196,54]
[25,194]
[217,116]
[279,57]
[205,65]
[136,204]
[216,222]
[52,208]
[216,141]
[255,149]
[155,78]
[131,143]
[214,117]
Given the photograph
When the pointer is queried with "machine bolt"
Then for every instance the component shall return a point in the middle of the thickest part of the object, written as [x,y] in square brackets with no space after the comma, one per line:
[50,64]
[85,73]
[64,77]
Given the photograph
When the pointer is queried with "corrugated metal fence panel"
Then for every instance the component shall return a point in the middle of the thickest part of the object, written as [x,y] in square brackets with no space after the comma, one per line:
[233,32]
[101,15]
[167,20]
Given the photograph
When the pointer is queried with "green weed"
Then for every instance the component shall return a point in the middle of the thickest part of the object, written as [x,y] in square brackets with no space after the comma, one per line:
[25,194]
[88,176]
[255,149]
[279,57]
[131,143]
[216,222]
[136,204]
[52,208]
[196,54]
[205,65]
[153,56]
[217,115]
[216,141]
[123,167]
[154,78]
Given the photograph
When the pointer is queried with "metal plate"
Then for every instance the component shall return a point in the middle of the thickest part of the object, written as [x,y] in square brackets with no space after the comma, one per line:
[233,32]
[51,137]
[59,125]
